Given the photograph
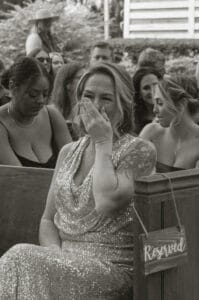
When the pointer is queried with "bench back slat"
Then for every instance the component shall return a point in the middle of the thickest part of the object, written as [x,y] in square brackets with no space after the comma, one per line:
[23,193]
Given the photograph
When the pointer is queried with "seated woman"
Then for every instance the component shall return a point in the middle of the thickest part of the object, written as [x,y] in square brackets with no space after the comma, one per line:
[143,81]
[57,62]
[63,94]
[86,231]
[176,136]
[31,133]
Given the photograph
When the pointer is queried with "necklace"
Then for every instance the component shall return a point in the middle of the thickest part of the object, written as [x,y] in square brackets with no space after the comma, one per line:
[19,124]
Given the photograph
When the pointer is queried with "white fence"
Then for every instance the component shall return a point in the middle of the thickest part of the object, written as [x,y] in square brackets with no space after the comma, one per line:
[161,19]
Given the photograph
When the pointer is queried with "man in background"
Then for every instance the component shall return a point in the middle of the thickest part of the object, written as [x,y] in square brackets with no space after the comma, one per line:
[101,51]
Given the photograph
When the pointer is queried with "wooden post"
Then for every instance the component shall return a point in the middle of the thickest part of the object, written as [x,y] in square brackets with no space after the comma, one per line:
[106,19]
[153,200]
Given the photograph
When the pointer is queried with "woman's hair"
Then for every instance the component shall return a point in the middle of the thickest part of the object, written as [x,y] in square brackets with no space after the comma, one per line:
[61,97]
[25,71]
[176,97]
[140,108]
[33,54]
[123,93]
[53,54]
[188,83]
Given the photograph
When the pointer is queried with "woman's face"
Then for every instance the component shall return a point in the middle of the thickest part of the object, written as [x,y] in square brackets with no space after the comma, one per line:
[163,114]
[146,87]
[32,96]
[44,58]
[57,62]
[100,90]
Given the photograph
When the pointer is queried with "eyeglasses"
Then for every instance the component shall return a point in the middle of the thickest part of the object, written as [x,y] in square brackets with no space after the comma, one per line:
[43,59]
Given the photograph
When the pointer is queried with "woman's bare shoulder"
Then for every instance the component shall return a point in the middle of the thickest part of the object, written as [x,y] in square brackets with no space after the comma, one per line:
[151,131]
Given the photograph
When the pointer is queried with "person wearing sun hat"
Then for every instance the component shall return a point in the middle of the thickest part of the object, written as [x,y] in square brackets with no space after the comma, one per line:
[40,35]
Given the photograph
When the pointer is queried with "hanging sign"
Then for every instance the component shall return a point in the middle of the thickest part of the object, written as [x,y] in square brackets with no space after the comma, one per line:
[166,248]
[163,249]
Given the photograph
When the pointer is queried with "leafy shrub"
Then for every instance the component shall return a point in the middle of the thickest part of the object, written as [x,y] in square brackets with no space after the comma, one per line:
[172,48]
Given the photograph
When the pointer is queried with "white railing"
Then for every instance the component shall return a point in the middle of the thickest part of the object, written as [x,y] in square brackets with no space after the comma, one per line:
[161,19]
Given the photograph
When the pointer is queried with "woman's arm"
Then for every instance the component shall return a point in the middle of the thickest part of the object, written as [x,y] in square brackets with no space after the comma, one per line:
[114,188]
[60,129]
[7,155]
[48,233]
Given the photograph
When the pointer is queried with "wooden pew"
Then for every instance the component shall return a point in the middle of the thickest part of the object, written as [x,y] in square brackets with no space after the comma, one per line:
[153,203]
[23,193]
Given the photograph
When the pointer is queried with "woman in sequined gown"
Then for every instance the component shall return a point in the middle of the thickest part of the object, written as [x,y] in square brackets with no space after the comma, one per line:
[86,231]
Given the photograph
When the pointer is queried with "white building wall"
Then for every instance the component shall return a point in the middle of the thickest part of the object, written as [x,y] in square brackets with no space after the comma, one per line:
[161,19]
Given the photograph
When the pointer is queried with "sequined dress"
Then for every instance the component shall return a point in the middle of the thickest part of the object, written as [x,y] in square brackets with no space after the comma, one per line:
[96,261]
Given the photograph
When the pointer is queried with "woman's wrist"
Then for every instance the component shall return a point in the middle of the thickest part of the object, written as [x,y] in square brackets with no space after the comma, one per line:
[104,146]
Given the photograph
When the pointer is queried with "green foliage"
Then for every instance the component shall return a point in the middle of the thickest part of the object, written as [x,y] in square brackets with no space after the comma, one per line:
[172,48]
[77,28]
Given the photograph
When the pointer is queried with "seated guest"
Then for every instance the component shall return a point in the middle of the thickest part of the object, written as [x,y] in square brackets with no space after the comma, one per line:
[144,80]
[43,57]
[152,58]
[63,95]
[86,231]
[57,62]
[176,136]
[31,133]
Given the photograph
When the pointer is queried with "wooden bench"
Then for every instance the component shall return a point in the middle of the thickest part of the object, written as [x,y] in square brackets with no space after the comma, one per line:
[153,202]
[23,193]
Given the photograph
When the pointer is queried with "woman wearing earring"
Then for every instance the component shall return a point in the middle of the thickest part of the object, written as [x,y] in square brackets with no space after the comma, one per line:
[176,135]
[31,133]
[86,231]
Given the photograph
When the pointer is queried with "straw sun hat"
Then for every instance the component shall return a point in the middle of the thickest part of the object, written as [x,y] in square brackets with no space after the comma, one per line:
[44,14]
